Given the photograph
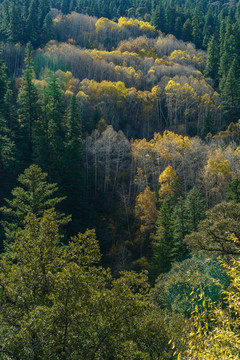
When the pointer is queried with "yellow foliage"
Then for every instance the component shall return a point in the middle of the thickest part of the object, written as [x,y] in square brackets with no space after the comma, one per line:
[180,54]
[167,182]
[146,210]
[218,164]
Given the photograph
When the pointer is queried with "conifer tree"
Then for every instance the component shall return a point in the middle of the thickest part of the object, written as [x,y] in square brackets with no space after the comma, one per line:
[51,158]
[33,26]
[73,178]
[33,196]
[163,243]
[180,216]
[207,124]
[195,207]
[212,65]
[187,30]
[231,94]
[197,26]
[28,112]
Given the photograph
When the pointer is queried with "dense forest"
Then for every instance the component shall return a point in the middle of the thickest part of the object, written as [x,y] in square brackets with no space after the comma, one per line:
[120,180]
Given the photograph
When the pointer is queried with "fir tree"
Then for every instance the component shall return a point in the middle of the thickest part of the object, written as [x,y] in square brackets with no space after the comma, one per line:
[207,124]
[195,207]
[28,112]
[187,30]
[33,196]
[231,94]
[163,242]
[212,65]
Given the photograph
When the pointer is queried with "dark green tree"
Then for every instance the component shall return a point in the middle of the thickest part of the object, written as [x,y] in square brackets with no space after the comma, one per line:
[50,142]
[231,94]
[195,207]
[187,30]
[33,196]
[158,17]
[74,183]
[197,26]
[207,124]
[163,242]
[234,190]
[32,25]
[28,112]
[47,30]
[212,65]
[180,229]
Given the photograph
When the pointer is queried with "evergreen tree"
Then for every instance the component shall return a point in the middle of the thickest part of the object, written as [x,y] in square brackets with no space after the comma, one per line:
[52,158]
[3,84]
[48,28]
[33,196]
[195,207]
[33,26]
[207,124]
[164,250]
[197,26]
[15,27]
[28,112]
[180,216]
[231,94]
[187,30]
[73,178]
[209,26]
[158,18]
[212,65]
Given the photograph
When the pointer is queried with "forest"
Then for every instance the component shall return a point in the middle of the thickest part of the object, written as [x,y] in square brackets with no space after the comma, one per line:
[120,180]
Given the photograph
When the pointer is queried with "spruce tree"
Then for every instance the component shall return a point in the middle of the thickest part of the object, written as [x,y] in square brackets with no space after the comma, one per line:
[195,207]
[180,216]
[74,183]
[231,94]
[52,137]
[33,26]
[187,30]
[33,196]
[28,111]
[163,242]
[212,65]
[207,124]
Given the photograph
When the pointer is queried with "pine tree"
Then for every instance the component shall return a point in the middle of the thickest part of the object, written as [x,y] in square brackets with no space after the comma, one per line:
[33,26]
[187,30]
[163,242]
[197,26]
[76,188]
[48,28]
[207,124]
[15,27]
[195,207]
[33,196]
[158,18]
[54,132]
[212,65]
[3,83]
[231,94]
[28,112]
[180,216]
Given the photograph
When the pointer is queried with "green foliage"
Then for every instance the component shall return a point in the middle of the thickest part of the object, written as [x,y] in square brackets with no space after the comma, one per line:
[198,275]
[56,302]
[28,112]
[234,190]
[213,233]
[34,196]
[164,247]
[231,93]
